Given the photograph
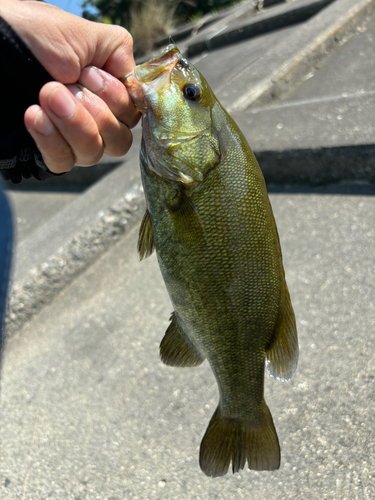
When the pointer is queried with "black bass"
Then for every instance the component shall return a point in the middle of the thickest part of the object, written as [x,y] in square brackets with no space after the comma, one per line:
[209,218]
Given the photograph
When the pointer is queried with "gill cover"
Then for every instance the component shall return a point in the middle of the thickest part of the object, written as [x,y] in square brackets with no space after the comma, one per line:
[180,142]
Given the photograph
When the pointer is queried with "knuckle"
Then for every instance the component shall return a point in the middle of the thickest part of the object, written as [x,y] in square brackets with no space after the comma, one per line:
[134,120]
[120,146]
[101,115]
[59,164]
[125,36]
[108,125]
[90,158]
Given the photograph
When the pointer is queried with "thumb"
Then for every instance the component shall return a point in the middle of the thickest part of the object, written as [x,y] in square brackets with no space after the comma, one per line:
[114,50]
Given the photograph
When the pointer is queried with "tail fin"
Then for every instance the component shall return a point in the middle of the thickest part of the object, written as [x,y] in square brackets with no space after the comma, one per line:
[229,439]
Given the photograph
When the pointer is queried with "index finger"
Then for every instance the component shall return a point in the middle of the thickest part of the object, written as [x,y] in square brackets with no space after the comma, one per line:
[112,92]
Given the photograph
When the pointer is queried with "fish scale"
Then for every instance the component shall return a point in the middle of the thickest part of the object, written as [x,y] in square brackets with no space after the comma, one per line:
[209,218]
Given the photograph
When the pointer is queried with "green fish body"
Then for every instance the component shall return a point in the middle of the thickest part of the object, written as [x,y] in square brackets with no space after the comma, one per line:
[209,218]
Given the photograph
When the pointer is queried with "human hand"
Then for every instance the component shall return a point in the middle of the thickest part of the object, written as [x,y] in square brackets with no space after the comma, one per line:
[76,124]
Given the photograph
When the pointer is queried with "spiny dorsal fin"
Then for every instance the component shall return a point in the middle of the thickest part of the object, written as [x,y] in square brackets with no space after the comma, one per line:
[145,237]
[282,355]
[176,349]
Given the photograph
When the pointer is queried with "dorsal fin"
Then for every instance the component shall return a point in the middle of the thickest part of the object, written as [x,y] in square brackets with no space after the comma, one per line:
[282,355]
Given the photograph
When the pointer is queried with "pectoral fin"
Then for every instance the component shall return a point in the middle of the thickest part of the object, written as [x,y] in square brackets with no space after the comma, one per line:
[185,217]
[146,237]
[282,355]
[176,349]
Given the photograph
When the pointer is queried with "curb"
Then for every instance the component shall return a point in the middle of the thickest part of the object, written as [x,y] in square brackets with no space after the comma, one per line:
[335,24]
[222,33]
[319,167]
[35,284]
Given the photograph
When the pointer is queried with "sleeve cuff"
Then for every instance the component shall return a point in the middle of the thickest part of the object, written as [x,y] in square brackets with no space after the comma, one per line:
[26,164]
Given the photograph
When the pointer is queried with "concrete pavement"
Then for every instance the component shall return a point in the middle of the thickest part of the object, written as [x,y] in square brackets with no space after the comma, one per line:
[31,207]
[89,411]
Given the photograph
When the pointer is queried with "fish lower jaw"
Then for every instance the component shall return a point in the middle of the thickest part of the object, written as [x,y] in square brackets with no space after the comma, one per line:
[137,92]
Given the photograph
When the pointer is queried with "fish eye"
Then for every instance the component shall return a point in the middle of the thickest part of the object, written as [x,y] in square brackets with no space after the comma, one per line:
[191,92]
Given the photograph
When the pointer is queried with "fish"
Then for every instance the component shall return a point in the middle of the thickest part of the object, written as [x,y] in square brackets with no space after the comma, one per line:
[209,219]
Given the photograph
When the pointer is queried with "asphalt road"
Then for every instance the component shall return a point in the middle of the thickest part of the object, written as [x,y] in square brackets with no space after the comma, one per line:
[89,412]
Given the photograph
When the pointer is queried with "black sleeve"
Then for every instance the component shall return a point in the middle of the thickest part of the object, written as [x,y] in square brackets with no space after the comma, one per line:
[21,80]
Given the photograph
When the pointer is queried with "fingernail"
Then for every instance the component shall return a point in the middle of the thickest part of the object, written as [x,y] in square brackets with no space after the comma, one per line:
[61,103]
[92,79]
[76,91]
[43,124]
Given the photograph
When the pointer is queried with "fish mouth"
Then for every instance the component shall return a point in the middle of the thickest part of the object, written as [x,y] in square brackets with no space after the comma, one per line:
[158,65]
[143,75]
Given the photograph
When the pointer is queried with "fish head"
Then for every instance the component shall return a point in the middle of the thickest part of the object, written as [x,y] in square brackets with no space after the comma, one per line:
[180,141]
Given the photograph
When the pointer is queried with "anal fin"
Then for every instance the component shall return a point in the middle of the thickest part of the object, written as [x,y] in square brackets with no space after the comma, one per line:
[145,245]
[176,349]
[282,355]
